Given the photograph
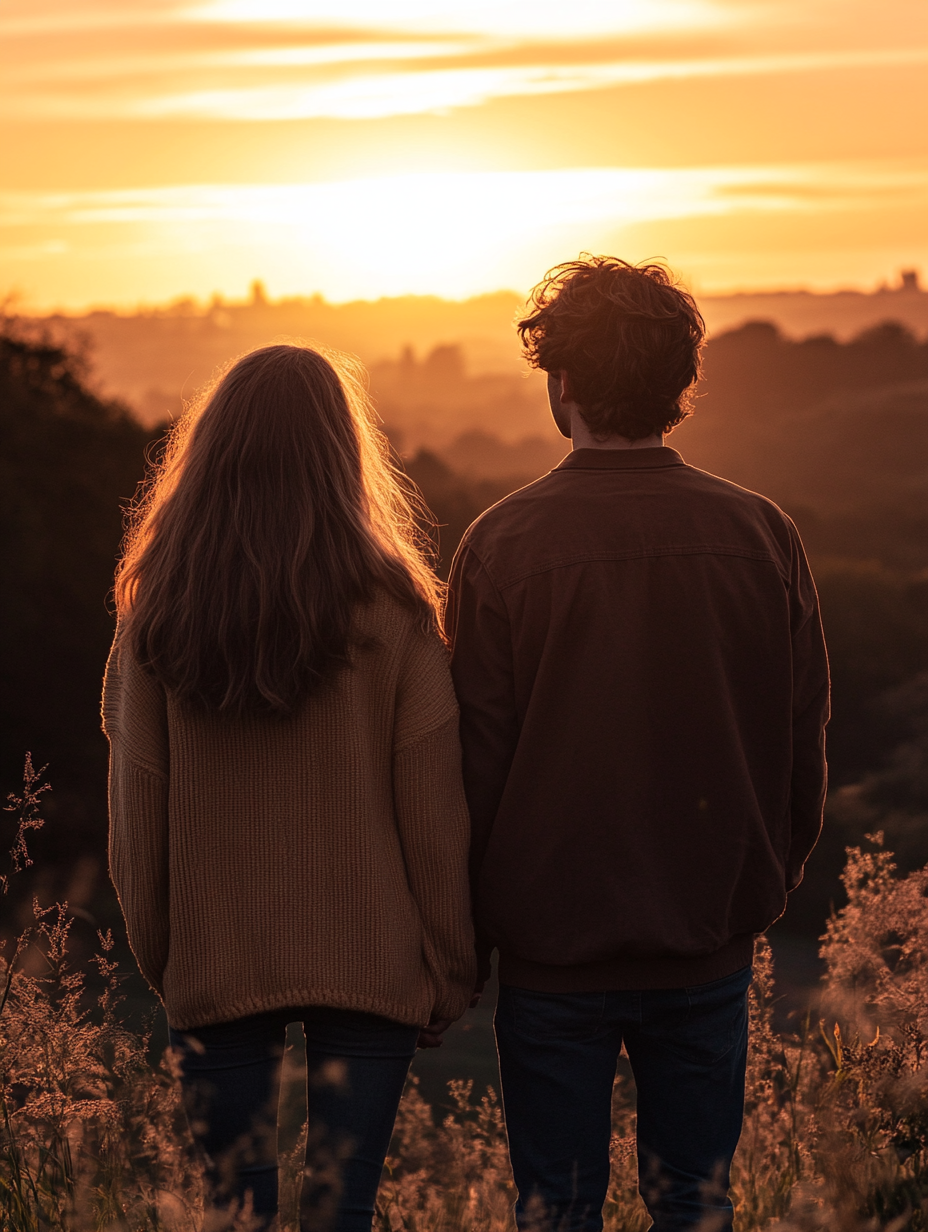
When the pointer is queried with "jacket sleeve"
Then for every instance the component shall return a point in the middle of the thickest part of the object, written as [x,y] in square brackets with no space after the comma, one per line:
[135,722]
[432,819]
[482,669]
[811,711]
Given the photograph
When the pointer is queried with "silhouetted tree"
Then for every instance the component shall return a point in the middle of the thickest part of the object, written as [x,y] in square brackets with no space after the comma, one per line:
[68,461]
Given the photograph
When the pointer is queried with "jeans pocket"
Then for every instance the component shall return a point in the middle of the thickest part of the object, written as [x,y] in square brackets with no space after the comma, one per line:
[552,1015]
[718,1016]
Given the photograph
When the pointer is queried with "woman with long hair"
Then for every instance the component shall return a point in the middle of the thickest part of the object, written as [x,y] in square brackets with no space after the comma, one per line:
[288,831]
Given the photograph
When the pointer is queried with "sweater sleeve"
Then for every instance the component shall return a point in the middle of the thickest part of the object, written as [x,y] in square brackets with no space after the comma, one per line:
[811,710]
[135,722]
[482,670]
[432,819]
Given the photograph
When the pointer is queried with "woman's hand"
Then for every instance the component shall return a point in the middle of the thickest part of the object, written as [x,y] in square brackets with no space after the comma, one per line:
[431,1035]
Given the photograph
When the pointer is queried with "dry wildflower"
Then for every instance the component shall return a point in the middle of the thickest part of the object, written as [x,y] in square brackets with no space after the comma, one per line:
[448,1176]
[779,1127]
[93,1137]
[28,817]
[875,1100]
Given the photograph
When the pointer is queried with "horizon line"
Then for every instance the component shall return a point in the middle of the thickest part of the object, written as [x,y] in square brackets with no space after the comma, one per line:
[217,300]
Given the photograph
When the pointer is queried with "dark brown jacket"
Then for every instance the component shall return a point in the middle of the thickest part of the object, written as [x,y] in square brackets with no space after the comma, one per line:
[643,684]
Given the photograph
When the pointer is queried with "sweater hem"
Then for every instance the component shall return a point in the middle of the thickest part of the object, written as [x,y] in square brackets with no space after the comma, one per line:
[628,973]
[296,1000]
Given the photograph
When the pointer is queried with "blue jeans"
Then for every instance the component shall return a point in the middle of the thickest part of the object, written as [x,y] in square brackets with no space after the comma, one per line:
[557,1060]
[356,1065]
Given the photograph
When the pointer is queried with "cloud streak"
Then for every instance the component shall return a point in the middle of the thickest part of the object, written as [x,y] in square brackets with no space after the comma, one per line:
[375,94]
[544,18]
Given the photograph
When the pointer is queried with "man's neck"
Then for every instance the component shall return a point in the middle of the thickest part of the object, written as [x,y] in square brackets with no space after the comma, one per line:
[582,438]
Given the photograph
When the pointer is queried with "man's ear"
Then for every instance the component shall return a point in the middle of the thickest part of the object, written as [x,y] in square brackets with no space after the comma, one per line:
[559,408]
[567,393]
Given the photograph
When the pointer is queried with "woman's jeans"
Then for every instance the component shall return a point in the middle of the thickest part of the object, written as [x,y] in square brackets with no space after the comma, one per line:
[356,1064]
[557,1055]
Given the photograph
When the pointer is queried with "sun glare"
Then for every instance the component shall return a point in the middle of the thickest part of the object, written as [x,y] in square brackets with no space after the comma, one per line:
[453,234]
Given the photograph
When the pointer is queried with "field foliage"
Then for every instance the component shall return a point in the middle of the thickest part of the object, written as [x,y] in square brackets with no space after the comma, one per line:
[93,1137]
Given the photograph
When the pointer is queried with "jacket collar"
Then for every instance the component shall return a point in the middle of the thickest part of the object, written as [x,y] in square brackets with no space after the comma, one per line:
[620,459]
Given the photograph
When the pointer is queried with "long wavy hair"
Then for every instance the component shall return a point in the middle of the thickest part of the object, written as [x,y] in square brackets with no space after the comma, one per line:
[273,513]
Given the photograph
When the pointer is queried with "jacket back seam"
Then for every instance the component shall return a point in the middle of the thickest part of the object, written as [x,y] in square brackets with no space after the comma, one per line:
[640,554]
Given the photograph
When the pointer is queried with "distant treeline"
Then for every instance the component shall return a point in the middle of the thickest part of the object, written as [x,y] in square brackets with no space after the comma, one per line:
[837,433]
[159,355]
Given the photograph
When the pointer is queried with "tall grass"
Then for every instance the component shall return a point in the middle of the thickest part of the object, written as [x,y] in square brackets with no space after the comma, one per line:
[90,1135]
[93,1137]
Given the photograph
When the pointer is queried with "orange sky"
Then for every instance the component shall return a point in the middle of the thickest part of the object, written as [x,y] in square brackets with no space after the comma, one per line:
[363,147]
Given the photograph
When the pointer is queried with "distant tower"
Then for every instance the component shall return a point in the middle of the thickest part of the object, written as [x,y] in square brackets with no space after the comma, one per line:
[445,363]
[258,294]
[909,280]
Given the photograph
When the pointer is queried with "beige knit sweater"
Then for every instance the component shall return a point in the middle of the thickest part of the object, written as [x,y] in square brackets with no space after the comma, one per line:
[316,860]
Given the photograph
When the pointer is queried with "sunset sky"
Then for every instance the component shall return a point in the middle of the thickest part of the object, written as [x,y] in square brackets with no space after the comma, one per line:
[358,148]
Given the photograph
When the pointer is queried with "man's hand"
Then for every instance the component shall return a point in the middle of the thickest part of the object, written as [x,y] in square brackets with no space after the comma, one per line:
[431,1035]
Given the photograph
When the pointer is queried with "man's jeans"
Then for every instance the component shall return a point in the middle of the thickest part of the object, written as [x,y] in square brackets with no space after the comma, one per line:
[357,1065]
[557,1058]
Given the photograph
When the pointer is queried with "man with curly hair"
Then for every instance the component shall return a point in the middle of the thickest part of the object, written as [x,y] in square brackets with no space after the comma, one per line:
[643,684]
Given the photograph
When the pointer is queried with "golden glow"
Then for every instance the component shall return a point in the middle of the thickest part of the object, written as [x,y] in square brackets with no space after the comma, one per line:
[359,148]
[436,233]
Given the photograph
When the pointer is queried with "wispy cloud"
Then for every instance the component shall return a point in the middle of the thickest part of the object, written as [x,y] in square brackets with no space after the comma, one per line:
[336,89]
[540,18]
[41,17]
[334,54]
[375,95]
[245,60]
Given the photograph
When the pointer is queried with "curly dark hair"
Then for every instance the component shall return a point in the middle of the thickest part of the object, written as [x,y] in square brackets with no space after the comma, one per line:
[628,337]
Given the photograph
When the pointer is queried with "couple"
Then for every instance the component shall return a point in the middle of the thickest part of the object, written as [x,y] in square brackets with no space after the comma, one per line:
[639,686]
